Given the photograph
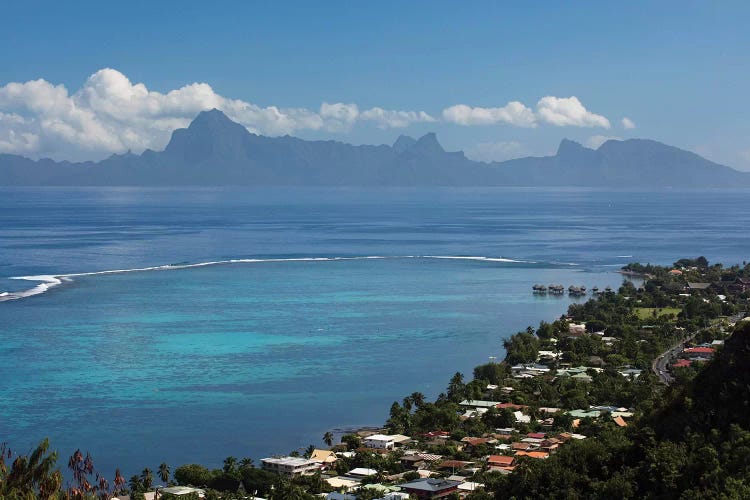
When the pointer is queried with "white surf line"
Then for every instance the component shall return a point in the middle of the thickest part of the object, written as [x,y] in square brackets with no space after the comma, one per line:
[49,281]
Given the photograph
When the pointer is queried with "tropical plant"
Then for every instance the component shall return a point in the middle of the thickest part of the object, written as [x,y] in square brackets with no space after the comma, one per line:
[32,476]
[147,478]
[164,473]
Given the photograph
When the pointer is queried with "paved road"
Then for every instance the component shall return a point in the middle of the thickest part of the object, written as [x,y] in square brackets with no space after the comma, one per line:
[660,366]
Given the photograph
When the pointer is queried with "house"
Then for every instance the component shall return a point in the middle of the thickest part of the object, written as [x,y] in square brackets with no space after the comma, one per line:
[585,413]
[501,461]
[473,442]
[323,457]
[379,442]
[698,286]
[361,472]
[699,351]
[469,486]
[620,422]
[511,406]
[454,465]
[341,482]
[576,330]
[183,490]
[682,363]
[583,377]
[290,466]
[533,454]
[340,496]
[478,403]
[430,488]
[631,373]
[412,461]
[550,445]
[520,446]
[520,417]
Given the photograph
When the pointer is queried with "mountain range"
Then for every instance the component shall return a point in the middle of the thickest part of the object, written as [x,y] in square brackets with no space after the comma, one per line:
[215,151]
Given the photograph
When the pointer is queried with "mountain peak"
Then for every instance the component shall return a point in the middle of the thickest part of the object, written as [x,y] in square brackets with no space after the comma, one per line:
[403,143]
[209,133]
[428,144]
[211,119]
[569,147]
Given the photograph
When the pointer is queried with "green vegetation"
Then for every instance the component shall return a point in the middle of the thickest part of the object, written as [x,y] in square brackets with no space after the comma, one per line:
[645,313]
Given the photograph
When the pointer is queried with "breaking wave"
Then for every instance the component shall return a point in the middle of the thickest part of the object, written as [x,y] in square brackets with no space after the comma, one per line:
[47,282]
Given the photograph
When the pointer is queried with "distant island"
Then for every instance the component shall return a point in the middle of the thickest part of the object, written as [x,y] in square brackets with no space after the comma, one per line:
[215,151]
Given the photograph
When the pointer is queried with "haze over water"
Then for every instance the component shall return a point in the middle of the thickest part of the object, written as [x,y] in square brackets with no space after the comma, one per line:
[250,359]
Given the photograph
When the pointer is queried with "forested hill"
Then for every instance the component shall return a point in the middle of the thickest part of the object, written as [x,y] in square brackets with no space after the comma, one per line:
[215,151]
[695,444]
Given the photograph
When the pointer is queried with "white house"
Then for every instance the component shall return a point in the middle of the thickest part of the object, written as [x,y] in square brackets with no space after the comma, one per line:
[380,442]
[290,466]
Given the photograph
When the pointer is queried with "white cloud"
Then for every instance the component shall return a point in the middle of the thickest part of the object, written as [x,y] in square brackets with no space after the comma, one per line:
[496,151]
[513,113]
[385,118]
[110,114]
[627,123]
[564,111]
[558,111]
[595,141]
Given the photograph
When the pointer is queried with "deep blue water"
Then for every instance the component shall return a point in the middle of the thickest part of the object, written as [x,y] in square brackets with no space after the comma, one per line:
[249,359]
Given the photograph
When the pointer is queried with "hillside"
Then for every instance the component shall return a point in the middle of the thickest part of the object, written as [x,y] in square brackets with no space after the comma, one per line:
[695,444]
[215,151]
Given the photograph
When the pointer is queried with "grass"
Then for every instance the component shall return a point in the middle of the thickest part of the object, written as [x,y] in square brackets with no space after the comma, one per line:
[648,312]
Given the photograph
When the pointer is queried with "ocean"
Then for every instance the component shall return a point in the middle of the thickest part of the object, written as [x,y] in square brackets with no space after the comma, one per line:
[267,317]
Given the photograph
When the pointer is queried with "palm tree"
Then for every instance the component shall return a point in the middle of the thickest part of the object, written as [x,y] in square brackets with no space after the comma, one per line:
[147,477]
[417,398]
[33,476]
[309,451]
[135,484]
[164,473]
[230,465]
[328,439]
[246,463]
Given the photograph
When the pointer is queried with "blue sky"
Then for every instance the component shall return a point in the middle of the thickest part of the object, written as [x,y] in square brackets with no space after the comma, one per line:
[678,70]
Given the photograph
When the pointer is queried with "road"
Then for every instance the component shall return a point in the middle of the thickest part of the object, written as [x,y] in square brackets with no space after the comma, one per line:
[660,366]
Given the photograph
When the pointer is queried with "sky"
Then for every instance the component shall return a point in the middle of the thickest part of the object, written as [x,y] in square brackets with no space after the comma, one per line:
[83,80]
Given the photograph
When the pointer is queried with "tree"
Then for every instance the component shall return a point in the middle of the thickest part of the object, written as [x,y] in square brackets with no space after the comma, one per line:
[147,478]
[521,348]
[230,465]
[352,441]
[164,473]
[246,463]
[456,388]
[135,484]
[192,475]
[417,398]
[328,439]
[32,476]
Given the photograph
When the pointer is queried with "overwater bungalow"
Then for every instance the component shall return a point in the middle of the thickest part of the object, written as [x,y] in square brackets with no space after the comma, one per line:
[556,289]
[596,291]
[539,289]
[576,291]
